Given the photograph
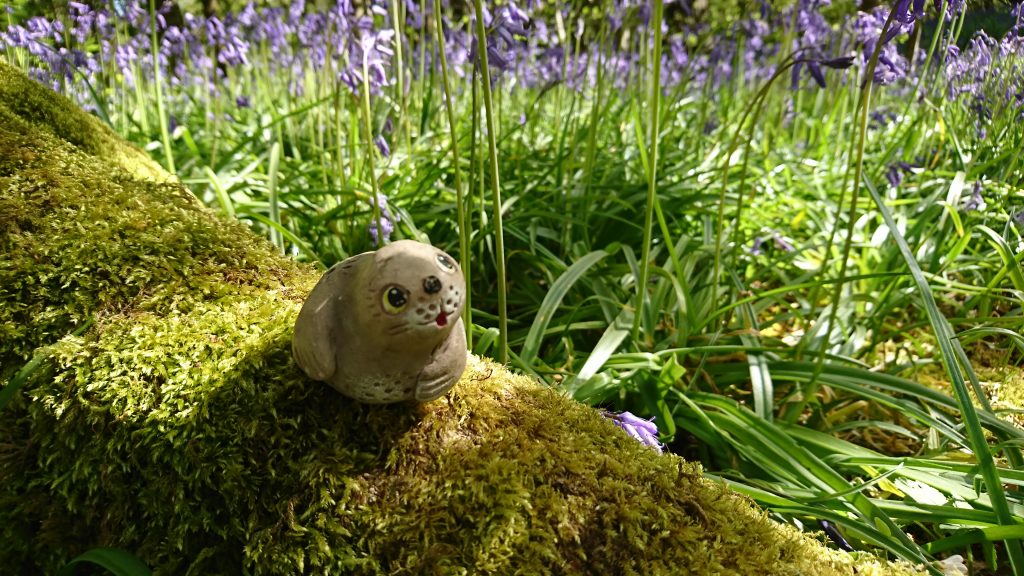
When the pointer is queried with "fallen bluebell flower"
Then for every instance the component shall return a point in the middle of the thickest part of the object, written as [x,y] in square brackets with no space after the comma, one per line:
[645,431]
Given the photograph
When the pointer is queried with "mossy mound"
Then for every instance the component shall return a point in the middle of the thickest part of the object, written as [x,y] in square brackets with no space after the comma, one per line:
[179,428]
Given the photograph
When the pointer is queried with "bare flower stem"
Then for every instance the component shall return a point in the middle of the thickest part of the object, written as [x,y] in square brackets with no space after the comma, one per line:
[492,148]
[652,172]
[165,134]
[460,196]
[370,164]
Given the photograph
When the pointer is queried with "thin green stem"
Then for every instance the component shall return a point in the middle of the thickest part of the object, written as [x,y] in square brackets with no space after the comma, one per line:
[370,163]
[652,172]
[794,410]
[403,122]
[460,197]
[492,148]
[165,134]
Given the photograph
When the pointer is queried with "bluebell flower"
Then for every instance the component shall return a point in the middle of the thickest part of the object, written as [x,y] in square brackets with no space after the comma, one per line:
[953,7]
[644,431]
[814,68]
[975,202]
[779,242]
[756,246]
[374,47]
[882,117]
[896,171]
[82,17]
[907,11]
[813,30]
[382,146]
[387,222]
[508,23]
[295,10]
[867,29]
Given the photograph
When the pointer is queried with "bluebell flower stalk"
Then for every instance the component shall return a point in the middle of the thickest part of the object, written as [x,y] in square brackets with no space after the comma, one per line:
[460,191]
[492,145]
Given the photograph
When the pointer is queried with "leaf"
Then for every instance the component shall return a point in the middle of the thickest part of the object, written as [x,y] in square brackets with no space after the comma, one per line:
[116,561]
[972,424]
[552,301]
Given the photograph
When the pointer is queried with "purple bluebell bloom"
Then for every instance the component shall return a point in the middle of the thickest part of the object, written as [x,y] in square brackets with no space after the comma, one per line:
[508,22]
[953,7]
[896,171]
[644,431]
[374,47]
[756,246]
[779,242]
[814,68]
[867,30]
[382,146]
[975,202]
[387,222]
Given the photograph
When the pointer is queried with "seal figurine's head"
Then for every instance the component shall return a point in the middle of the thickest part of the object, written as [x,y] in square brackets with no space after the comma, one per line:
[414,291]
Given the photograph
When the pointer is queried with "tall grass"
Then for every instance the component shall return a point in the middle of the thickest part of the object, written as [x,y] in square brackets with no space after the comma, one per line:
[672,225]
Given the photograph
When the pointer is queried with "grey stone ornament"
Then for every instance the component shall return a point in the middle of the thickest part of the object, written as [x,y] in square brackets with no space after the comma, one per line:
[386,326]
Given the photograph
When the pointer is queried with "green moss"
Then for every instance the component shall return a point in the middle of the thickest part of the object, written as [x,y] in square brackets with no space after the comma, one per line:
[49,114]
[178,426]
[89,226]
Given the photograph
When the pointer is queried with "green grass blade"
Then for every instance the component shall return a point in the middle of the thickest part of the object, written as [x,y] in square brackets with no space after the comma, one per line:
[779,454]
[222,195]
[275,208]
[1011,262]
[286,234]
[610,341]
[552,301]
[971,536]
[972,423]
[113,560]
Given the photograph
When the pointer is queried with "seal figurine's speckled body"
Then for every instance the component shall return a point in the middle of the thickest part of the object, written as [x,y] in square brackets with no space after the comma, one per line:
[385,326]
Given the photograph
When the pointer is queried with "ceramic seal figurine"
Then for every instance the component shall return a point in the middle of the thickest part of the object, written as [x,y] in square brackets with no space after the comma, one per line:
[385,326]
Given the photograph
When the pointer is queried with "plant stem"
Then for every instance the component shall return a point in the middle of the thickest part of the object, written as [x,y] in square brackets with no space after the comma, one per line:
[652,173]
[402,123]
[794,410]
[165,135]
[492,148]
[460,199]
[370,164]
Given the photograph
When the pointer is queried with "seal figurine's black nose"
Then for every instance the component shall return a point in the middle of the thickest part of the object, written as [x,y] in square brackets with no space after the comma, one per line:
[432,284]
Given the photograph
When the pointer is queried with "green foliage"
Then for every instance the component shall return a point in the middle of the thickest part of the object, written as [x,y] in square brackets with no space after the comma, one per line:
[114,561]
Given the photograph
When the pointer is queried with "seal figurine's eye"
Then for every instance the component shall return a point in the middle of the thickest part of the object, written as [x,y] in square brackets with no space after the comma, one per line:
[445,263]
[395,299]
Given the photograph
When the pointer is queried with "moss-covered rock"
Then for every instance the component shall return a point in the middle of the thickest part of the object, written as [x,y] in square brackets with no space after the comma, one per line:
[178,427]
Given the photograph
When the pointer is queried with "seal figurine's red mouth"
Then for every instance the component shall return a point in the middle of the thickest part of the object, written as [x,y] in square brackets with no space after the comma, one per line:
[442,319]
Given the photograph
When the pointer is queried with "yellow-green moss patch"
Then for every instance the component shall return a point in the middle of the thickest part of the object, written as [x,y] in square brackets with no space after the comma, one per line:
[178,426]
[84,231]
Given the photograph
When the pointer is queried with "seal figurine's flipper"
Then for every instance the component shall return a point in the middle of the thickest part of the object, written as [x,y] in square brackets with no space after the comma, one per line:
[313,342]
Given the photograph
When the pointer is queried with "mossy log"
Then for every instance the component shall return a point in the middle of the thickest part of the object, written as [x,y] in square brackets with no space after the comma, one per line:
[178,427]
